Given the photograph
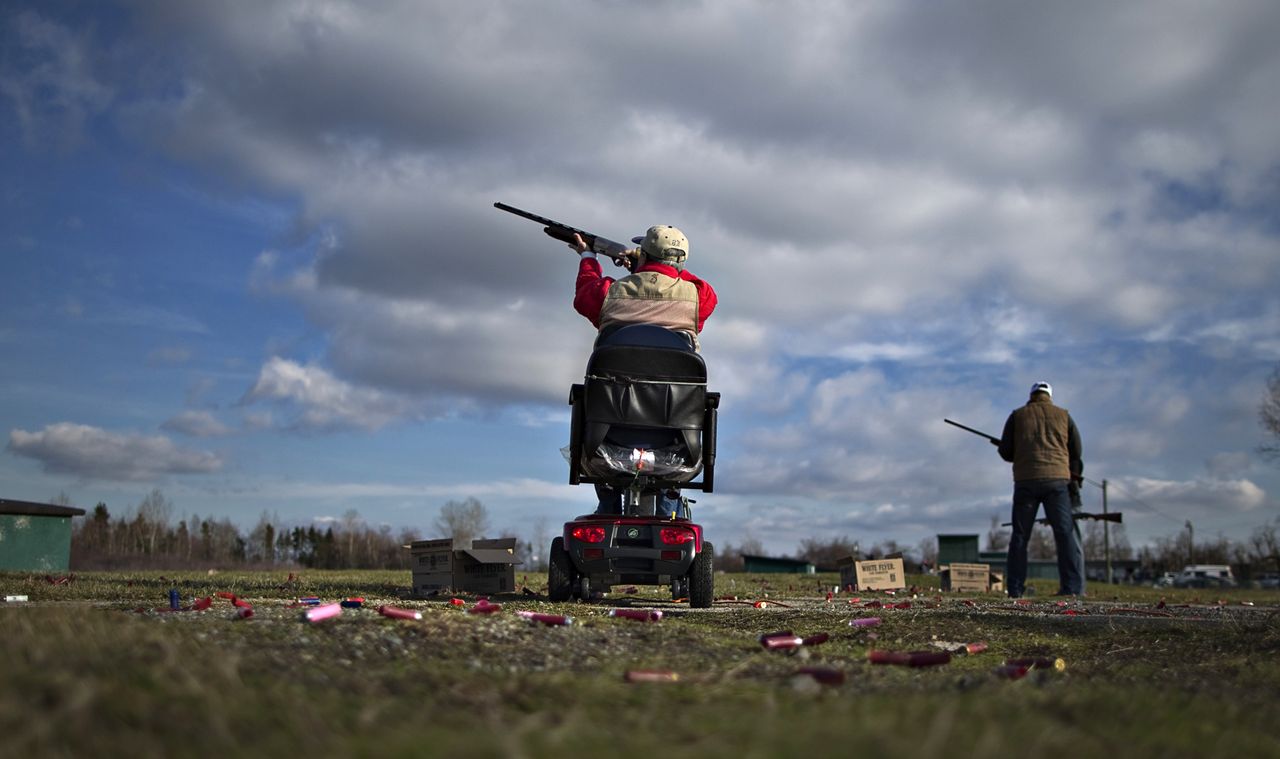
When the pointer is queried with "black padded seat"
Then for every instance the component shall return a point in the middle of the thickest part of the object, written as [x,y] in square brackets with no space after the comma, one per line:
[645,384]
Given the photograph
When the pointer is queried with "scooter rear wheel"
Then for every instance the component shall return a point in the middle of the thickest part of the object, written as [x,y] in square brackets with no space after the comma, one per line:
[559,573]
[702,578]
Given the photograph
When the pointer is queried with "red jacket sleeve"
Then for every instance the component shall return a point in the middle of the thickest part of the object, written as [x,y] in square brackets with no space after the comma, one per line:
[706,297]
[589,291]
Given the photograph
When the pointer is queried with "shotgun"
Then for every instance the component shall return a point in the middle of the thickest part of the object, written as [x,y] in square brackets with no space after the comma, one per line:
[621,254]
[1111,516]
[994,440]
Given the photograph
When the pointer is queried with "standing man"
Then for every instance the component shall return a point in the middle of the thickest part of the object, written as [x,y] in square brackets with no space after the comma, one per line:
[1042,442]
[659,291]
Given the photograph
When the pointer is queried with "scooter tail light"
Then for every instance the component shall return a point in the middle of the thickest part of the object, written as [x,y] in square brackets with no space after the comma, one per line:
[588,534]
[674,536]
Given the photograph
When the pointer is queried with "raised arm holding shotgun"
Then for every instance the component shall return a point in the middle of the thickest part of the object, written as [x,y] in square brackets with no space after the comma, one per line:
[659,290]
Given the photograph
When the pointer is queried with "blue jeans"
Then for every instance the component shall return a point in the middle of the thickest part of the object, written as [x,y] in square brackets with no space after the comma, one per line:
[1027,497]
[668,505]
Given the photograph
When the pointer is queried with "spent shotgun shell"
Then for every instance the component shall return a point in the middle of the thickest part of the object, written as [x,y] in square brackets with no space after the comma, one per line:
[175,601]
[780,640]
[15,599]
[317,613]
[864,622]
[824,675]
[640,615]
[1039,662]
[1011,671]
[909,658]
[484,607]
[550,620]
[652,676]
[396,613]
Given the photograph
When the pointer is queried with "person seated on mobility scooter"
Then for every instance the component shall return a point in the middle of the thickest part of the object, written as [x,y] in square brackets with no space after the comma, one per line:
[659,291]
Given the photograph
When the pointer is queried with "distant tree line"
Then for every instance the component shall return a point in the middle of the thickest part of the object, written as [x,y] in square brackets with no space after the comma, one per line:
[826,553]
[1259,553]
[147,537]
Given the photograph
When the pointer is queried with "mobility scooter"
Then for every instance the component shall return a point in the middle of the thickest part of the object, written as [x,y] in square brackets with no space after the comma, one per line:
[643,428]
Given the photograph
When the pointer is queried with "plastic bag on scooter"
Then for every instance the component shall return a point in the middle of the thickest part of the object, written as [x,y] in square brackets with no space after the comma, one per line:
[654,462]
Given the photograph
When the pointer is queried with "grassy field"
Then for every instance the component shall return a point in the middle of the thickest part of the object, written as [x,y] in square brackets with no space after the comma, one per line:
[92,669]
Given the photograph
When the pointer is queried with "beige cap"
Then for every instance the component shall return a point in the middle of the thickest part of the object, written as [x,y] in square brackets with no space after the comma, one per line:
[664,243]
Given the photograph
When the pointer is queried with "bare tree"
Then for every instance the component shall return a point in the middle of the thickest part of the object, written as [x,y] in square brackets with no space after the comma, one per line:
[153,515]
[1094,541]
[262,539]
[929,551]
[728,557]
[350,520]
[463,520]
[1269,416]
[1264,546]
[889,547]
[826,553]
[539,544]
[997,536]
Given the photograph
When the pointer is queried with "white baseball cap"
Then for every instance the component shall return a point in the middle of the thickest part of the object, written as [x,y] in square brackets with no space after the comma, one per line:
[1042,387]
[664,243]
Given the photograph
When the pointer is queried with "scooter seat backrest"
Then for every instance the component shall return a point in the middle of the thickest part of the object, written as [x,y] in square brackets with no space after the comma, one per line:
[638,384]
[645,378]
[646,351]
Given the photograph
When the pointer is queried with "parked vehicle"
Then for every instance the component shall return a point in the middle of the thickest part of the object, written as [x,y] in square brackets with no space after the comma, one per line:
[1205,576]
[1165,580]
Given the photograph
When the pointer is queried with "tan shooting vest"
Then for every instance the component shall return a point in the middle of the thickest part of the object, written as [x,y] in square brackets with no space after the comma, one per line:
[650,297]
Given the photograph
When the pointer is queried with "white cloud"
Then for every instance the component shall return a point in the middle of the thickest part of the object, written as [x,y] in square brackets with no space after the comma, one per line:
[1229,464]
[323,401]
[196,424]
[97,454]
[1180,498]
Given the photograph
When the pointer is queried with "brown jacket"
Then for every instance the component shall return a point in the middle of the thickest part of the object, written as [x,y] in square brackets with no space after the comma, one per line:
[1042,442]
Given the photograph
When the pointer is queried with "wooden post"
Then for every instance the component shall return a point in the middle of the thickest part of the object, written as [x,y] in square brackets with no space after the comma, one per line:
[1106,532]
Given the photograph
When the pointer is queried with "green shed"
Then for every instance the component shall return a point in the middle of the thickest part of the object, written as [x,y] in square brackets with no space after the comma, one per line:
[959,549]
[35,537]
[775,564]
[963,549]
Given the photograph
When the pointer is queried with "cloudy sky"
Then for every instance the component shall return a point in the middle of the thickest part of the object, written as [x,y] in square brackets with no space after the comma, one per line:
[248,253]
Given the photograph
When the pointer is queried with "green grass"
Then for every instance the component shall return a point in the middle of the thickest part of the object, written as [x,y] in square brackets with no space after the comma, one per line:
[86,674]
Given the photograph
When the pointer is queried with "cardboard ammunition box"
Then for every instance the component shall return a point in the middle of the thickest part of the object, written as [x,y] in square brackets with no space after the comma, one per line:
[479,566]
[880,574]
[848,571]
[971,578]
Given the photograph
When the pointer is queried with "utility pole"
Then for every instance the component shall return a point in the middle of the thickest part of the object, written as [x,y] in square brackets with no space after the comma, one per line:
[1106,532]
